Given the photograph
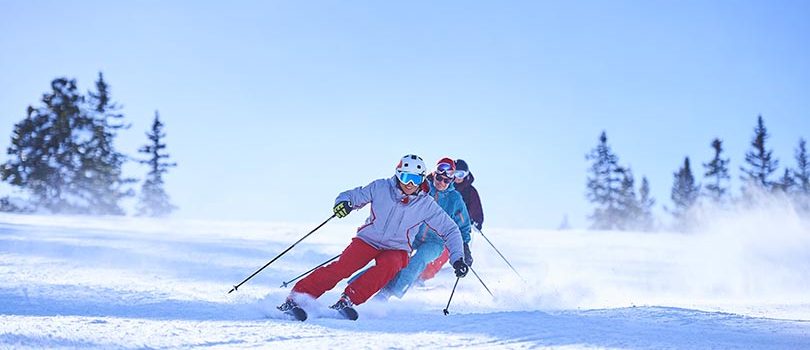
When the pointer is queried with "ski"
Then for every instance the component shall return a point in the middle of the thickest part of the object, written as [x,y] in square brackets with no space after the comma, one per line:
[297,313]
[348,313]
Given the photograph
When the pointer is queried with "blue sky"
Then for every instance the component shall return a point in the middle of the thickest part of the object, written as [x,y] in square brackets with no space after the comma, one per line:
[273,108]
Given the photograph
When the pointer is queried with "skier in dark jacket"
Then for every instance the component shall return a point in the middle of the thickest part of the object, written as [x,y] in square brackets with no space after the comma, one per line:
[463,184]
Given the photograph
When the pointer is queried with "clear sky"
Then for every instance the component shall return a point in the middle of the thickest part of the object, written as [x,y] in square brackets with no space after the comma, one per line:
[272,108]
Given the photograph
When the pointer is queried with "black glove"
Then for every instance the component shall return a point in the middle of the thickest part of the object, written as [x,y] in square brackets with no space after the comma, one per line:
[477,225]
[461,268]
[467,255]
[342,209]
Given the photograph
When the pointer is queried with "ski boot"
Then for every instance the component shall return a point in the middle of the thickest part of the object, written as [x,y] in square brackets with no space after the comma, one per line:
[345,308]
[290,307]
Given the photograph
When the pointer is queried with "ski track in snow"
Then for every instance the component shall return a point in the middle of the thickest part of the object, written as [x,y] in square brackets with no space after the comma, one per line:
[72,282]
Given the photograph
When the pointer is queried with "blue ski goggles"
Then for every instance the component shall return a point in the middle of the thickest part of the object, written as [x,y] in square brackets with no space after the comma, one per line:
[415,179]
[460,174]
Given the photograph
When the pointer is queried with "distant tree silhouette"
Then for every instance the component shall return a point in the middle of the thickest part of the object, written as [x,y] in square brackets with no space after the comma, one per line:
[802,177]
[45,147]
[685,191]
[646,219]
[759,159]
[154,201]
[564,225]
[802,170]
[604,185]
[628,206]
[101,176]
[786,183]
[717,173]
[62,153]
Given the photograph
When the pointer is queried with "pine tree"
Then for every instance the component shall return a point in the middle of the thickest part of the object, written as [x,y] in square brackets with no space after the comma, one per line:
[62,153]
[717,170]
[760,160]
[786,183]
[684,190]
[102,182]
[628,206]
[154,201]
[564,225]
[646,220]
[45,149]
[604,185]
[802,170]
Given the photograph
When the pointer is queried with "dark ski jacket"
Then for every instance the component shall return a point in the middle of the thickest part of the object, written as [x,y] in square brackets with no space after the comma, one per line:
[471,199]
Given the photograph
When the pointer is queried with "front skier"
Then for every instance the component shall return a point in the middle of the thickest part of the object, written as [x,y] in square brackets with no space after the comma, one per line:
[399,206]
[428,244]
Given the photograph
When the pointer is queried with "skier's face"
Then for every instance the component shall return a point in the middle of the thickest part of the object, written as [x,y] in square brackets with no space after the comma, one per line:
[441,182]
[408,188]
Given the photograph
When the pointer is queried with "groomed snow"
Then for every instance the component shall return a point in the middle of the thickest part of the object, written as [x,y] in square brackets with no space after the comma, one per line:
[77,282]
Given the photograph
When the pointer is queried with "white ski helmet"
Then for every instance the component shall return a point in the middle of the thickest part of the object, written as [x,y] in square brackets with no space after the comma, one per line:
[412,164]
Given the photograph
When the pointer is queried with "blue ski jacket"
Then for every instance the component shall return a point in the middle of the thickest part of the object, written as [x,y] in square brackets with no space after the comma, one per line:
[453,204]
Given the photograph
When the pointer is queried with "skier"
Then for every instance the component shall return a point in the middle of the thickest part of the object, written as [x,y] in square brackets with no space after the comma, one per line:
[463,184]
[428,244]
[399,205]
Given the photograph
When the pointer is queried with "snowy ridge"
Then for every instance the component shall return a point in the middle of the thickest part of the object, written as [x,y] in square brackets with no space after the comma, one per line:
[75,282]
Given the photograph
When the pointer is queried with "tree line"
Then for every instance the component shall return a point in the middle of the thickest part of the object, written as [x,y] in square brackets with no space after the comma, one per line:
[611,186]
[63,159]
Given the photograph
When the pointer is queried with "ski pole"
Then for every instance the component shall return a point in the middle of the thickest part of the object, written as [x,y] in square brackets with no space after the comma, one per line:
[284,284]
[482,282]
[499,253]
[282,253]
[451,297]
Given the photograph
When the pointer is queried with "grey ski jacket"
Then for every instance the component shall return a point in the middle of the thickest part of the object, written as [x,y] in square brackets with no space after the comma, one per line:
[395,217]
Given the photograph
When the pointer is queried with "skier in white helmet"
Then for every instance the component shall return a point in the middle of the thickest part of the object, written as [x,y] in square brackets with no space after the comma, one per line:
[399,206]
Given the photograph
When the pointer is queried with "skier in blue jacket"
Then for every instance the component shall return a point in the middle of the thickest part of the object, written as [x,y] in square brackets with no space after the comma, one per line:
[427,243]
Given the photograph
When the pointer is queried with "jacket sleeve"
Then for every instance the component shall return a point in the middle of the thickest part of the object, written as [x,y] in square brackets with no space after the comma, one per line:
[474,208]
[440,222]
[360,196]
[462,218]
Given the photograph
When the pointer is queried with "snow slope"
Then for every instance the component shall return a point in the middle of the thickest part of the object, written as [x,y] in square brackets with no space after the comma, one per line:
[75,282]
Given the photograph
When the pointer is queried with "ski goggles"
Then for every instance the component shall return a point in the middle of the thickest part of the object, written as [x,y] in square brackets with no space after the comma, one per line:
[414,179]
[443,178]
[460,174]
[444,168]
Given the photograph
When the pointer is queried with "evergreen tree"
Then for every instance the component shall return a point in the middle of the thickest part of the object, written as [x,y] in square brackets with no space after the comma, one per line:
[62,153]
[604,185]
[717,170]
[154,201]
[646,220]
[802,171]
[785,183]
[45,149]
[684,190]
[102,182]
[564,225]
[761,163]
[628,206]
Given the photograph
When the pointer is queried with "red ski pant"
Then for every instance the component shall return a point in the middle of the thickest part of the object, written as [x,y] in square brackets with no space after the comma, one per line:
[353,258]
[433,268]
